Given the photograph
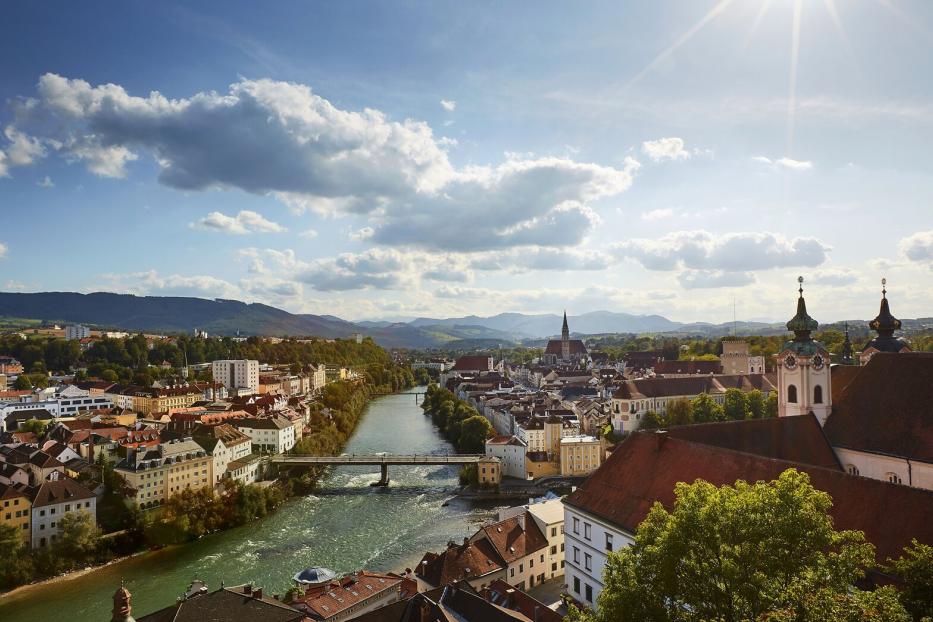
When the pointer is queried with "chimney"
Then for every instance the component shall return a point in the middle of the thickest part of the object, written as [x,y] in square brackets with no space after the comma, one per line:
[424,611]
[466,541]
[660,436]
[257,593]
[248,589]
[510,598]
[535,617]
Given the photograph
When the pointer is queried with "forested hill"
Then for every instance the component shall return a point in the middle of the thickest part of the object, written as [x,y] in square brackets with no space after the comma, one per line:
[169,314]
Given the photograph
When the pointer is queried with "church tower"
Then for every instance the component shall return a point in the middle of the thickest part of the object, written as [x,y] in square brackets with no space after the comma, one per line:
[122,608]
[847,349]
[884,324]
[565,340]
[803,369]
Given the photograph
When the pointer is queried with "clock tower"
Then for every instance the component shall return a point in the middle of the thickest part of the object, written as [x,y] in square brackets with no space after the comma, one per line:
[803,369]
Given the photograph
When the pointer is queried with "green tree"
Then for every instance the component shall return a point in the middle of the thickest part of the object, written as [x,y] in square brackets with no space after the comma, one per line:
[78,538]
[22,383]
[679,412]
[771,406]
[652,420]
[756,404]
[473,434]
[735,406]
[705,409]
[763,551]
[109,375]
[15,563]
[35,426]
[915,569]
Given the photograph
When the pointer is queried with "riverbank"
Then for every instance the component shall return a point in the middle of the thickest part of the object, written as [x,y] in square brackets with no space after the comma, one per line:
[345,526]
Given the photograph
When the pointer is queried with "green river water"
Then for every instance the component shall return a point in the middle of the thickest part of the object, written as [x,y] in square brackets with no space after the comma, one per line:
[346,526]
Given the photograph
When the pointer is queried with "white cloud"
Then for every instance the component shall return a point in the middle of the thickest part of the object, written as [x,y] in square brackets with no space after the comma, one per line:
[834,277]
[46,182]
[785,163]
[541,258]
[308,234]
[373,269]
[665,149]
[730,252]
[918,247]
[3,250]
[658,214]
[449,105]
[297,146]
[244,222]
[698,279]
[152,283]
[362,234]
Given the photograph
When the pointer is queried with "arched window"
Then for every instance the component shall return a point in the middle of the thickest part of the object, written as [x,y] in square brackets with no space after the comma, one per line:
[817,394]
[894,478]
[792,394]
[851,469]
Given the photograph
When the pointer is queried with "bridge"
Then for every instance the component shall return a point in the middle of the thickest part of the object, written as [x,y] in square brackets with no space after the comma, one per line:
[382,460]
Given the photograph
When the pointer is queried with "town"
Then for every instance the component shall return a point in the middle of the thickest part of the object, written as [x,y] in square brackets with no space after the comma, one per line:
[573,431]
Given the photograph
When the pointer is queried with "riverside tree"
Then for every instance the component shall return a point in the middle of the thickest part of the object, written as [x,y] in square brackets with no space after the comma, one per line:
[763,551]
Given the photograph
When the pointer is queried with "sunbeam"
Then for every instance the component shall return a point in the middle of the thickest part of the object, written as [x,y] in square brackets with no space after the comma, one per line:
[792,87]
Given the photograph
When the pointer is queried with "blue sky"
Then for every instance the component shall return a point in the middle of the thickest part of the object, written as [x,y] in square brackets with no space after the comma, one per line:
[377,159]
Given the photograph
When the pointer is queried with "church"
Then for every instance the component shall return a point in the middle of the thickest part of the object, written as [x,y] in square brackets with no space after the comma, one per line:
[564,351]
[876,416]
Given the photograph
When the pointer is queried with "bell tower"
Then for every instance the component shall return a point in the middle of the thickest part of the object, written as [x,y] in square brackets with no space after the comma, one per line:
[803,368]
[565,340]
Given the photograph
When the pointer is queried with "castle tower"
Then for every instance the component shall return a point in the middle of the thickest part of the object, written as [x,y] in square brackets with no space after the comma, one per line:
[884,324]
[122,608]
[565,340]
[803,369]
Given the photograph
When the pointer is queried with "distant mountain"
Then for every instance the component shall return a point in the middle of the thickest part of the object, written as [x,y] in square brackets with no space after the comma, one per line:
[522,326]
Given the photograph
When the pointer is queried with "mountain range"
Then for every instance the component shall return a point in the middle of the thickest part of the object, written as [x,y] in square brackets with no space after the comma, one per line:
[229,317]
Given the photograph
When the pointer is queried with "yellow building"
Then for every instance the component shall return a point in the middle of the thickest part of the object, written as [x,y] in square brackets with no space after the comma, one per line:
[580,455]
[489,471]
[157,473]
[15,510]
[537,465]
[161,400]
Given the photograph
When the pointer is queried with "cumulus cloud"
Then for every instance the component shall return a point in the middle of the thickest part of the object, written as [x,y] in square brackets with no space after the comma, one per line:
[152,283]
[542,258]
[785,163]
[658,214]
[282,139]
[46,182]
[698,279]
[449,105]
[665,149]
[244,222]
[308,234]
[730,252]
[918,247]
[373,269]
[362,234]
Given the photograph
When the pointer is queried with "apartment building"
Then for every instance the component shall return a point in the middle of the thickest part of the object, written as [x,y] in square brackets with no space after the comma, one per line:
[236,374]
[159,472]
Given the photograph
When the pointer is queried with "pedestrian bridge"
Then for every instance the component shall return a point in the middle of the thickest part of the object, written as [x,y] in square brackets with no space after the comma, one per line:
[383,460]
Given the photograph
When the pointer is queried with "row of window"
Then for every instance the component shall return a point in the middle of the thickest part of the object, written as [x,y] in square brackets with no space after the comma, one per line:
[894,478]
[792,394]
[587,586]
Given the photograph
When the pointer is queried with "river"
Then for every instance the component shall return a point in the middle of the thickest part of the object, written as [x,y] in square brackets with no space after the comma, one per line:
[346,526]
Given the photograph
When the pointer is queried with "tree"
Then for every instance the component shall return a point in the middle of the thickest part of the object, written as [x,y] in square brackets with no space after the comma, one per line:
[679,412]
[109,375]
[78,539]
[705,409]
[16,565]
[35,426]
[22,383]
[763,551]
[915,569]
[652,420]
[735,406]
[756,404]
[771,406]
[473,434]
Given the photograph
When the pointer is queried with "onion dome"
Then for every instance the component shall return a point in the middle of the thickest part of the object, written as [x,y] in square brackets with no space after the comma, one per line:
[122,607]
[802,324]
[885,324]
[847,349]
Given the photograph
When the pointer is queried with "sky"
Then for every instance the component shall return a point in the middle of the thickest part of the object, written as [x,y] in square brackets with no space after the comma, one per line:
[403,159]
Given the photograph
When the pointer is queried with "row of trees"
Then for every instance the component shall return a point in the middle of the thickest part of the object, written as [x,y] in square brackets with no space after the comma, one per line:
[758,552]
[458,421]
[737,405]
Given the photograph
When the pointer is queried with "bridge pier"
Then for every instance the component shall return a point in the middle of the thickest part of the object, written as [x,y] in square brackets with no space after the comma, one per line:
[384,480]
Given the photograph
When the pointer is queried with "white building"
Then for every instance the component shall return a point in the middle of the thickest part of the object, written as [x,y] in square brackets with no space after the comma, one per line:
[51,501]
[238,374]
[77,332]
[549,517]
[511,452]
[274,435]
[225,444]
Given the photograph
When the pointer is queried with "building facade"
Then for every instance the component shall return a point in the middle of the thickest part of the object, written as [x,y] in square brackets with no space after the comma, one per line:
[236,374]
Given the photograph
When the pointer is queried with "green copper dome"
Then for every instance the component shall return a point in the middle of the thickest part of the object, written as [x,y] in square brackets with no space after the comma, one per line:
[802,324]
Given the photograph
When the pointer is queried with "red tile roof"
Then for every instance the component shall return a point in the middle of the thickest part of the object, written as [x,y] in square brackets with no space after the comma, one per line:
[688,367]
[514,538]
[554,347]
[473,363]
[887,407]
[645,467]
[59,491]
[459,562]
[796,439]
[328,600]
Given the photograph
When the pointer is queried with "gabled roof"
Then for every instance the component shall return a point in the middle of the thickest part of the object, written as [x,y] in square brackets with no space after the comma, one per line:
[514,538]
[59,491]
[472,363]
[507,440]
[459,562]
[620,493]
[234,604]
[887,407]
[554,347]
[796,439]
[688,367]
[334,597]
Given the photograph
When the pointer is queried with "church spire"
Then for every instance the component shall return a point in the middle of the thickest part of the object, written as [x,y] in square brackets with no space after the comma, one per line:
[802,324]
[847,349]
[565,330]
[122,609]
[885,324]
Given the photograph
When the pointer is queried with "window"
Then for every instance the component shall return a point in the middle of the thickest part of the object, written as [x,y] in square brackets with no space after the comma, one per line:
[586,530]
[576,555]
[531,563]
[576,525]
[894,478]
[554,567]
[561,547]
[792,394]
[553,531]
[851,469]
[521,567]
[817,394]
[511,572]
[608,541]
[554,550]
[576,583]
[589,593]
[588,561]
